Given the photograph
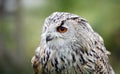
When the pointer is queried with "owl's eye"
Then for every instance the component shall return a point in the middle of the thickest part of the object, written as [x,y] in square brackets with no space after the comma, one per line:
[61,29]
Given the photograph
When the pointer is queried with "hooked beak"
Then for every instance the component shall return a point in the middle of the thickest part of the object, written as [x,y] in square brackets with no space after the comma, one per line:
[49,38]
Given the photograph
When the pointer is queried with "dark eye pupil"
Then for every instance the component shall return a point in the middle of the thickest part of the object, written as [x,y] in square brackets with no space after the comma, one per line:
[62,28]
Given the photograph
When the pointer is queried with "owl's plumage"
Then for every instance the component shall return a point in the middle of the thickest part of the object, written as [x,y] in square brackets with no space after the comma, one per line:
[70,46]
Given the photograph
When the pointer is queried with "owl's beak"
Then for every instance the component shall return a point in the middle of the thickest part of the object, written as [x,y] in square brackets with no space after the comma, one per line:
[49,38]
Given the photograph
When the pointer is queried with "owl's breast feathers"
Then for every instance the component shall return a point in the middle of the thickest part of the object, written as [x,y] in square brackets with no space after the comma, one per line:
[94,62]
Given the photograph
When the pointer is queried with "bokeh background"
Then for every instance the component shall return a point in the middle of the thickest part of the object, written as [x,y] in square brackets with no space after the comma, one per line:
[21,22]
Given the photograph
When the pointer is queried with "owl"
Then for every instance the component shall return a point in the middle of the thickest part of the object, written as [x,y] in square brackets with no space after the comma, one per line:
[69,45]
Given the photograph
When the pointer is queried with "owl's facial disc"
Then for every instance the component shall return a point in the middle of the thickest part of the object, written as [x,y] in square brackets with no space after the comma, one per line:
[59,29]
[56,32]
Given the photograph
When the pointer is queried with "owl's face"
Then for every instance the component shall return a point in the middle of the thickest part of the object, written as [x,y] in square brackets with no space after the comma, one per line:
[59,34]
[61,30]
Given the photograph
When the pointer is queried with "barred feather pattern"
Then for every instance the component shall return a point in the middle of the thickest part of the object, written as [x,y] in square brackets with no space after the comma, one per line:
[78,51]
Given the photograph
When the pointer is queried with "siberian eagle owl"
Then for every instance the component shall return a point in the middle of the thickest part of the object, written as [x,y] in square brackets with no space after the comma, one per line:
[70,46]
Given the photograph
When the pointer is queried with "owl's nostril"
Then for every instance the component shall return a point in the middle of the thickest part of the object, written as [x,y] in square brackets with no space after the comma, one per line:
[49,38]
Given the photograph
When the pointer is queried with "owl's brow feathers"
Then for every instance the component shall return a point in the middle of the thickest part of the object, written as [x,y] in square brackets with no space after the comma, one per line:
[73,18]
[62,18]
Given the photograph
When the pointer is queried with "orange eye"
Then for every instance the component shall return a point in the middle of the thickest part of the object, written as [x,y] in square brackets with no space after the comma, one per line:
[61,29]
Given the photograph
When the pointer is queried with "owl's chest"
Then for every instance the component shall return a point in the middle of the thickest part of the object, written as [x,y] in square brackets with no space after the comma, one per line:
[60,67]
[62,64]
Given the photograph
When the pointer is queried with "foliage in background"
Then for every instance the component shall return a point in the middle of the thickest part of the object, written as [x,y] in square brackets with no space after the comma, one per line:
[21,23]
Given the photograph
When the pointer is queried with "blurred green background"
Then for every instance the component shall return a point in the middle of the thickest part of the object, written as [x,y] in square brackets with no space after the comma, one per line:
[21,22]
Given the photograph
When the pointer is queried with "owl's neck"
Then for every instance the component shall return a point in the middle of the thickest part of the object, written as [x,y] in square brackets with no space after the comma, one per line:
[65,55]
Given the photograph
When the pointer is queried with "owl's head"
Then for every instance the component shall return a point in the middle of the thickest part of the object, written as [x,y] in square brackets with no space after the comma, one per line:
[62,29]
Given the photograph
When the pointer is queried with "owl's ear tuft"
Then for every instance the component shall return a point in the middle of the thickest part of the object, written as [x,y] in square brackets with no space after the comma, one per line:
[74,18]
[84,20]
[79,19]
